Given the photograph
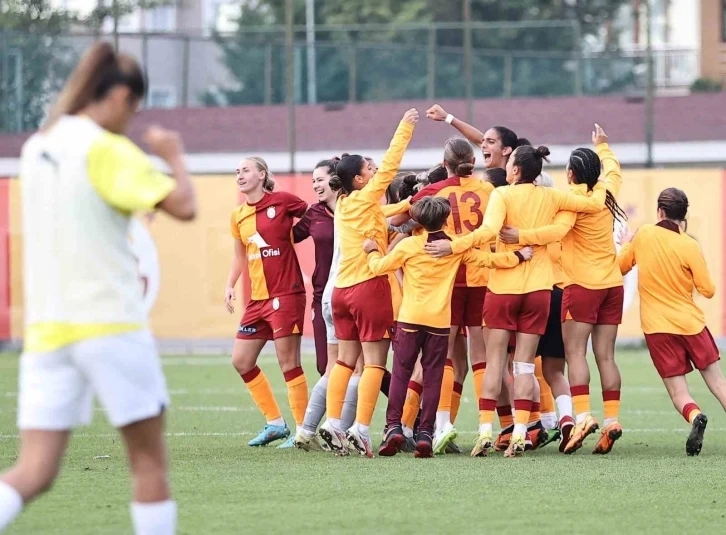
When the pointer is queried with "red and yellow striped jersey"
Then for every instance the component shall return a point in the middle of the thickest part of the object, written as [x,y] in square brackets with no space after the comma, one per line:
[265,229]
[468,198]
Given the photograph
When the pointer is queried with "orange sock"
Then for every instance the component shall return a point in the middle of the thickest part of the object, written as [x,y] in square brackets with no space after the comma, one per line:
[505,416]
[581,401]
[486,411]
[337,386]
[261,393]
[546,399]
[480,371]
[413,402]
[522,409]
[456,400]
[368,390]
[690,411]
[534,413]
[611,405]
[447,387]
[297,393]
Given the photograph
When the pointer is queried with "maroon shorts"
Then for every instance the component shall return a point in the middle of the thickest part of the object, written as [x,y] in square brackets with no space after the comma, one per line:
[270,319]
[522,313]
[363,312]
[596,307]
[467,306]
[678,354]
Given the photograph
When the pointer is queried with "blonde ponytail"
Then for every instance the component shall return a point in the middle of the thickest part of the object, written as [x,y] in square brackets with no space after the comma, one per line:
[268,184]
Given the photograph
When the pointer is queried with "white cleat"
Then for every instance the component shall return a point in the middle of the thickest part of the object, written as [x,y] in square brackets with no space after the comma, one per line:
[304,440]
[444,438]
[333,438]
[360,442]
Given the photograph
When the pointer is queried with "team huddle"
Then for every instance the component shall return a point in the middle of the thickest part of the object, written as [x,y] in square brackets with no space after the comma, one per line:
[504,273]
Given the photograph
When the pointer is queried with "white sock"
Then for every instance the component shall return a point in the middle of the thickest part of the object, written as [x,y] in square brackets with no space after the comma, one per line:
[549,420]
[156,518]
[334,423]
[564,405]
[442,418]
[407,432]
[520,430]
[11,503]
[485,428]
[362,429]
[609,421]
[277,421]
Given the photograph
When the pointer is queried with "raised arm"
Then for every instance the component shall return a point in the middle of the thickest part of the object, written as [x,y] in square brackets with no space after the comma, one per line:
[376,187]
[613,179]
[701,278]
[473,134]
[400,208]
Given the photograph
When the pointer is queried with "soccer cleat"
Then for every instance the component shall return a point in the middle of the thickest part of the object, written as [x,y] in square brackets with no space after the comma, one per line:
[483,445]
[695,439]
[442,440]
[409,444]
[333,438]
[503,439]
[552,436]
[360,442]
[453,448]
[567,424]
[579,433]
[288,444]
[270,433]
[424,447]
[393,441]
[305,441]
[608,436]
[516,447]
[536,435]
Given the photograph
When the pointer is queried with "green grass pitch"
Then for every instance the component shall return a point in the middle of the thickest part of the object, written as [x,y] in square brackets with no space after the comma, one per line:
[646,485]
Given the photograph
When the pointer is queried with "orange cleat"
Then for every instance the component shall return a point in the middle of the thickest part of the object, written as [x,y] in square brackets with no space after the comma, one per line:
[503,439]
[579,433]
[608,436]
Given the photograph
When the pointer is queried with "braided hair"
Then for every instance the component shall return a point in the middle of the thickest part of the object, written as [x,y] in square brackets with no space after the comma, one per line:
[585,166]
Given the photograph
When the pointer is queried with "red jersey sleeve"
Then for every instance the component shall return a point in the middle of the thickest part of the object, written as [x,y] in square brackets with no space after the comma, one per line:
[296,207]
[432,189]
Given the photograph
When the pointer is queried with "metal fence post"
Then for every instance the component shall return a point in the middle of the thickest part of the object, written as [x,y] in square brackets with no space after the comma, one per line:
[508,75]
[268,74]
[352,72]
[185,73]
[431,65]
[290,80]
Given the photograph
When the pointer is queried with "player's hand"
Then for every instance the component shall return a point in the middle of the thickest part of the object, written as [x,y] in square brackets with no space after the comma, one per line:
[411,116]
[369,246]
[166,144]
[439,248]
[509,235]
[149,217]
[229,299]
[629,235]
[599,136]
[436,113]
[526,253]
[621,234]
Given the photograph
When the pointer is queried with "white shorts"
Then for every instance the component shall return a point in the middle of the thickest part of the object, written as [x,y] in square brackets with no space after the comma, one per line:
[329,328]
[56,388]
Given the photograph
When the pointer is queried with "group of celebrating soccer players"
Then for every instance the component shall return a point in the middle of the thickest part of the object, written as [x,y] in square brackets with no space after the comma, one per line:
[528,273]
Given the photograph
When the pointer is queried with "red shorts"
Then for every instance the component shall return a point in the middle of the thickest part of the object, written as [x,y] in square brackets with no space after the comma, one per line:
[467,306]
[596,307]
[270,319]
[522,313]
[363,312]
[678,354]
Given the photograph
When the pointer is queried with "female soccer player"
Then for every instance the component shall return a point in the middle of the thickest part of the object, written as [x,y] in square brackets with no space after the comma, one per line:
[86,328]
[262,230]
[518,298]
[592,303]
[362,305]
[671,267]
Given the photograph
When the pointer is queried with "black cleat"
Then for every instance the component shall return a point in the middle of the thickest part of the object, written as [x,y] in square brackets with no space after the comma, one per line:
[409,445]
[392,442]
[453,448]
[695,439]
[424,446]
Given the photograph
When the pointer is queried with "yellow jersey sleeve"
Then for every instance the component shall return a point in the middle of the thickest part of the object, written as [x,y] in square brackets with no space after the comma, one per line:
[568,201]
[626,258]
[697,264]
[381,265]
[494,217]
[389,210]
[562,224]
[376,187]
[124,176]
[234,227]
[610,168]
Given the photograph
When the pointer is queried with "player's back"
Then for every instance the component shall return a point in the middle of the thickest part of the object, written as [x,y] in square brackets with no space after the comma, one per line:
[78,264]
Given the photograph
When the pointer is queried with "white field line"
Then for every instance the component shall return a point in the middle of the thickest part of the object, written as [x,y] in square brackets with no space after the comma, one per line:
[681,430]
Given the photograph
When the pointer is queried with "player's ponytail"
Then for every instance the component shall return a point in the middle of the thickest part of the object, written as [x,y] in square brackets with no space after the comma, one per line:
[268,183]
[674,204]
[529,160]
[99,70]
[459,157]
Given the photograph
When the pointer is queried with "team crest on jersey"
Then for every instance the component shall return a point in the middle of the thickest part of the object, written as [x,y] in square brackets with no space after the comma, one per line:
[271,212]
[247,329]
[275,304]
